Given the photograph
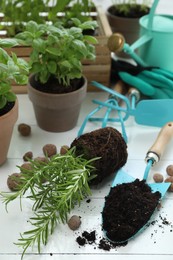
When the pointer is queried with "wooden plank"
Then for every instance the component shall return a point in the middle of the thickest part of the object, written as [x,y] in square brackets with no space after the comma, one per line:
[100,60]
[102,20]
[96,68]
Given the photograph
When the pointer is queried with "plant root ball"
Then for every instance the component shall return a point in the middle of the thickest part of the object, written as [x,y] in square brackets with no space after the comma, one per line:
[49,150]
[106,143]
[24,129]
[74,222]
[13,181]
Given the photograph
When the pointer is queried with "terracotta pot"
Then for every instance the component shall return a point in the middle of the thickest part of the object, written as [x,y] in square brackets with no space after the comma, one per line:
[56,112]
[128,27]
[7,122]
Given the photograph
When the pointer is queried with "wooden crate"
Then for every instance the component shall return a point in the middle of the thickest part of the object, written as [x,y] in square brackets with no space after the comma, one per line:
[97,70]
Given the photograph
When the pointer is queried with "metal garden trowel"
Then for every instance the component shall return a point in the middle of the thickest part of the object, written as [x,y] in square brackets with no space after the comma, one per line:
[152,157]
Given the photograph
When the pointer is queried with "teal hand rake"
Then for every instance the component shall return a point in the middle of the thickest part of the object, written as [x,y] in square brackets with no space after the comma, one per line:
[154,112]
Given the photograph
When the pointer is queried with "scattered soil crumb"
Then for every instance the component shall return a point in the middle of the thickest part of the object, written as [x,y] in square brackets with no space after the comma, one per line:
[81,240]
[103,243]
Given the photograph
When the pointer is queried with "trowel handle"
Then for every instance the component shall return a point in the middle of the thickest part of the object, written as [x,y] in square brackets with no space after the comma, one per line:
[133,92]
[164,136]
[119,87]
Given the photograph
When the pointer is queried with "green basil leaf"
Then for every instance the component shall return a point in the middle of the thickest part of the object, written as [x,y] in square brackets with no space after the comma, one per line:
[90,39]
[52,66]
[3,101]
[54,51]
[10,96]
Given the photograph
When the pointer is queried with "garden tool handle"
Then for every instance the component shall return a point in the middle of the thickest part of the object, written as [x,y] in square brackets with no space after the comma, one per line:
[156,150]
[134,92]
[119,87]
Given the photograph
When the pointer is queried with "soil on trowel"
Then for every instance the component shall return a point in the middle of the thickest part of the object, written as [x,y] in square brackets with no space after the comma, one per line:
[106,143]
[128,207]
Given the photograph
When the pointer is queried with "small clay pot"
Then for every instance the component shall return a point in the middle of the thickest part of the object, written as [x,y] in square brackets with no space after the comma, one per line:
[128,27]
[7,122]
[56,112]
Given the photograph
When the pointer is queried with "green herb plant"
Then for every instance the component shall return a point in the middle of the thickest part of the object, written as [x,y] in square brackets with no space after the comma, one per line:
[80,9]
[41,11]
[55,188]
[57,51]
[14,19]
[125,7]
[12,69]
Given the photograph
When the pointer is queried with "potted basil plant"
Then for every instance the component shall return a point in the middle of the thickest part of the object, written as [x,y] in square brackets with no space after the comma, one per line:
[57,86]
[12,69]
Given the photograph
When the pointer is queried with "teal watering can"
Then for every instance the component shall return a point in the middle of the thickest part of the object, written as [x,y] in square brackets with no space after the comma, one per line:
[156,37]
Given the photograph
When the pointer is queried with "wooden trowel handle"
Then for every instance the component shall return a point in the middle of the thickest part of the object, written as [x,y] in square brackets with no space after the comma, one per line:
[156,150]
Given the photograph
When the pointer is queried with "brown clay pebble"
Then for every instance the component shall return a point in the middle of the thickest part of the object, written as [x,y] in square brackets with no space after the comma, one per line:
[26,166]
[64,149]
[170,179]
[27,155]
[13,181]
[40,159]
[74,222]
[157,177]
[24,129]
[49,150]
[169,170]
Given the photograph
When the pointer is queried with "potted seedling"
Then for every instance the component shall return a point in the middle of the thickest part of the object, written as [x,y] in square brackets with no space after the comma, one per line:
[12,69]
[57,87]
[124,15]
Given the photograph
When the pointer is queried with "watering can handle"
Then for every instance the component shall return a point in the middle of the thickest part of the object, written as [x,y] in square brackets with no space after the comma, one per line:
[151,14]
[165,135]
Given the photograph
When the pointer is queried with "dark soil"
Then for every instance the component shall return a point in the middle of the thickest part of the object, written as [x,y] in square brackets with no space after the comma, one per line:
[128,207]
[134,11]
[106,143]
[7,108]
[86,237]
[102,243]
[55,87]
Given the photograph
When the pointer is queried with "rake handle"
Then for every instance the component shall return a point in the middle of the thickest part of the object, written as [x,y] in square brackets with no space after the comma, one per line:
[163,138]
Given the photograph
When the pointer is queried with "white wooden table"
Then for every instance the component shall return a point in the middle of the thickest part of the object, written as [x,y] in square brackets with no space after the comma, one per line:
[154,243]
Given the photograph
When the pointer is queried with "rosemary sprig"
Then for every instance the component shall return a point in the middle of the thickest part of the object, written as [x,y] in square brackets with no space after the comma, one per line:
[55,187]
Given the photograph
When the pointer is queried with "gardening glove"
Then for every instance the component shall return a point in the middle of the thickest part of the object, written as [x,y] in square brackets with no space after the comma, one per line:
[153,82]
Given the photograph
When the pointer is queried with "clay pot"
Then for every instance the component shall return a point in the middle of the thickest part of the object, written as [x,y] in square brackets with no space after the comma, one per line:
[56,112]
[128,27]
[7,122]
